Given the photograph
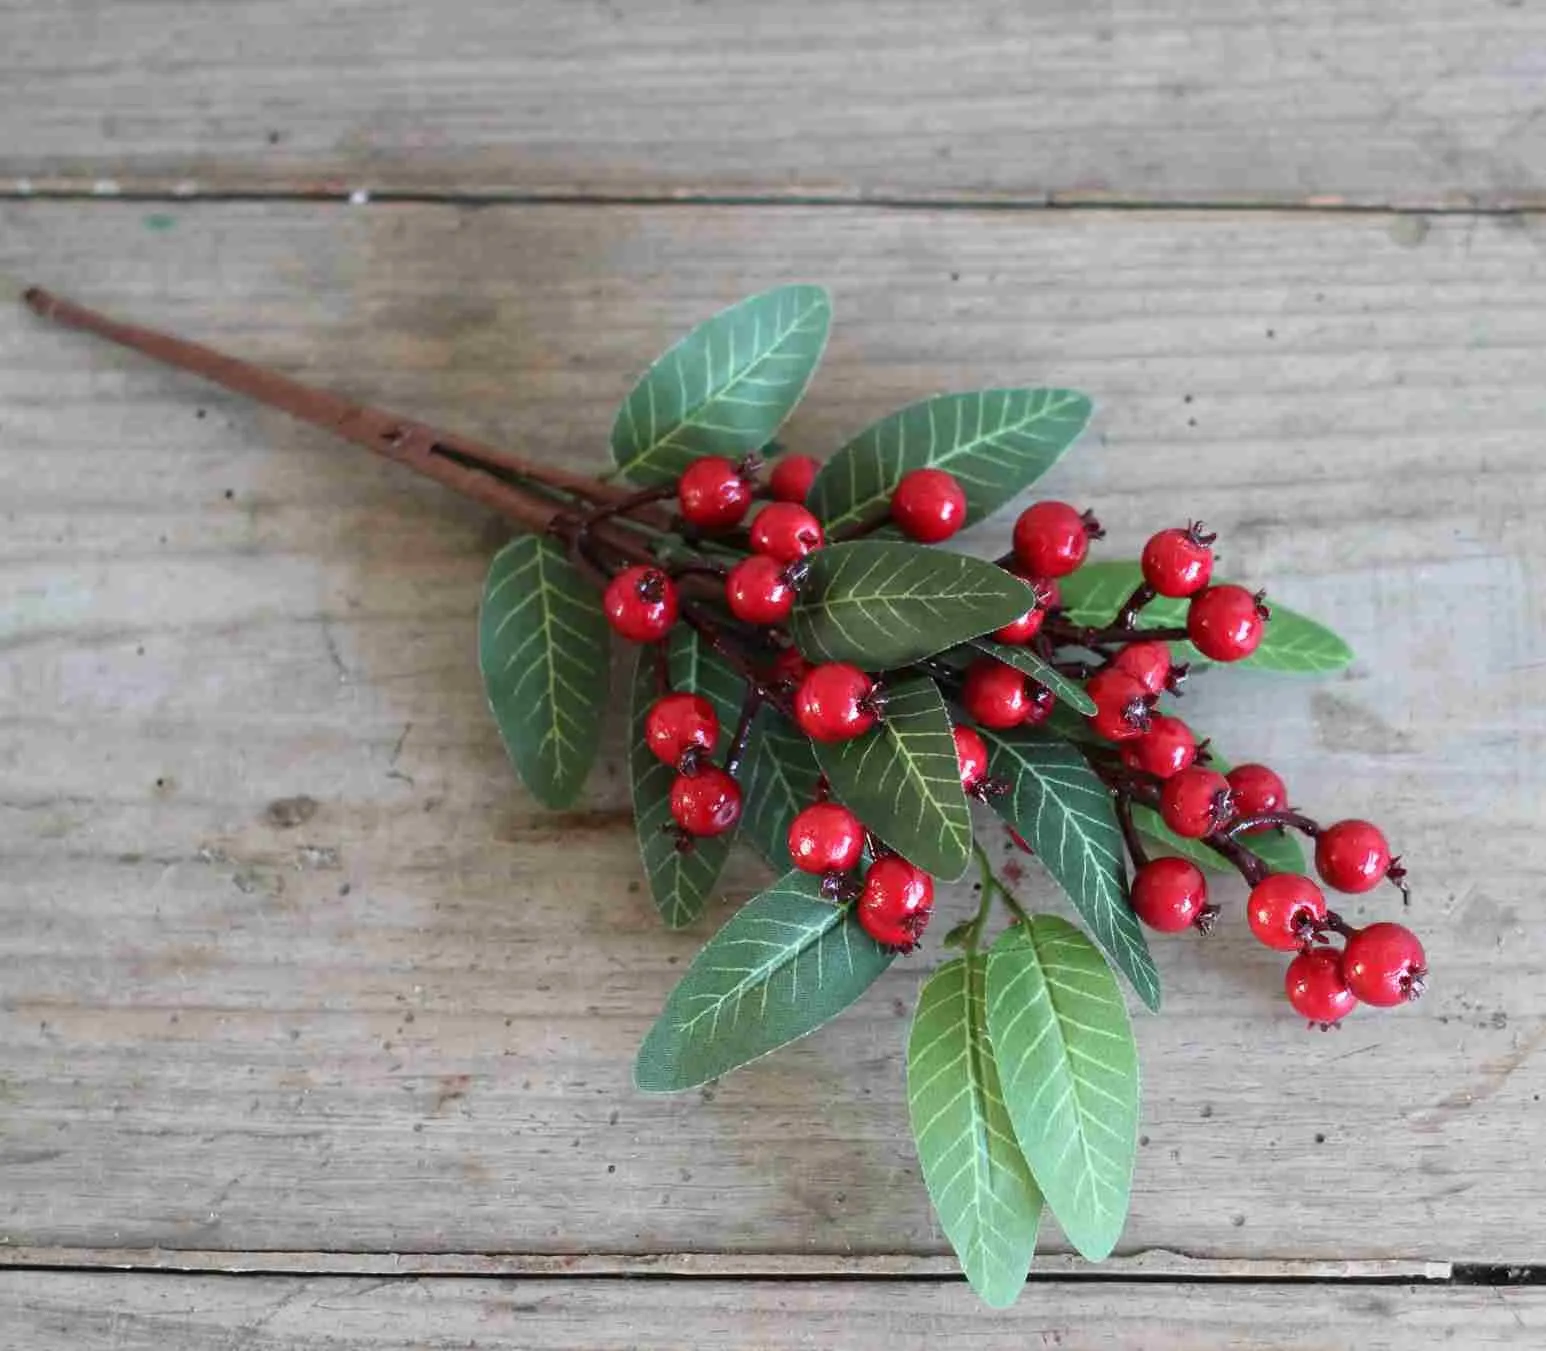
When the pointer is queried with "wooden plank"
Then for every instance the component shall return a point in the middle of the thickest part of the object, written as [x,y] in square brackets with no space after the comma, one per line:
[1417,102]
[402,1021]
[69,1311]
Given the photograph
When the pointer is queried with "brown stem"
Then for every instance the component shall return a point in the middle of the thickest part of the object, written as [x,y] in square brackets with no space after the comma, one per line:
[1135,849]
[743,730]
[1081,635]
[1127,616]
[1303,824]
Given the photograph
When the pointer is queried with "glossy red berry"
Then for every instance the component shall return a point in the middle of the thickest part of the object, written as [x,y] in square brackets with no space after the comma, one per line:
[1178,562]
[1352,856]
[1257,790]
[1316,988]
[1164,750]
[1147,662]
[641,604]
[706,803]
[1028,625]
[1285,910]
[1051,539]
[1384,965]
[677,723]
[1196,802]
[758,591]
[1122,705]
[896,903]
[789,667]
[928,505]
[1170,894]
[712,495]
[1226,623]
[792,477]
[995,694]
[834,702]
[1039,703]
[971,756]
[825,838]
[786,531]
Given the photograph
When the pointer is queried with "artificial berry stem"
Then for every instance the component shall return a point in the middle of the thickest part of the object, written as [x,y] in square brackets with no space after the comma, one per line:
[1303,824]
[1135,849]
[753,701]
[1083,635]
[1127,616]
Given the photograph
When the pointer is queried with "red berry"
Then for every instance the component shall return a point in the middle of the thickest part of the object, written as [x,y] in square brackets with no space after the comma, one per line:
[1039,704]
[1315,986]
[1178,562]
[711,494]
[1226,622]
[1285,910]
[825,838]
[789,667]
[995,694]
[1028,625]
[792,477]
[1121,705]
[1352,856]
[1148,663]
[833,702]
[758,591]
[1051,539]
[786,531]
[971,756]
[929,505]
[678,722]
[1196,802]
[896,902]
[1169,894]
[1164,750]
[1256,790]
[640,604]
[1384,965]
[706,803]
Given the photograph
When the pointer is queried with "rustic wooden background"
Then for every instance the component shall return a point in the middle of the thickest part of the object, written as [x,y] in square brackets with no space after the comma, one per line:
[316,1031]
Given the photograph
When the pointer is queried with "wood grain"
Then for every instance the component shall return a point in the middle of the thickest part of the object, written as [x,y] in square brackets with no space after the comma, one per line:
[289,961]
[1415,102]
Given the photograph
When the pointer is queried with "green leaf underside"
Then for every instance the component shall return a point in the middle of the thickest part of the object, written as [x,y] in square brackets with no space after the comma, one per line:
[1067,817]
[904,782]
[779,780]
[881,605]
[783,964]
[996,442]
[1070,692]
[1292,643]
[987,1202]
[542,648]
[1068,1067]
[725,388]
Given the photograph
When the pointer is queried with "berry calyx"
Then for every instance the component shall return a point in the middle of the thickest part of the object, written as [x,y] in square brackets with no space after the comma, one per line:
[711,494]
[1164,750]
[640,604]
[928,505]
[1285,910]
[971,756]
[825,838]
[896,902]
[1052,538]
[835,702]
[995,694]
[1178,563]
[1226,623]
[1352,856]
[706,803]
[1147,662]
[1028,625]
[1171,894]
[792,477]
[1257,790]
[786,531]
[678,723]
[1315,987]
[1384,965]
[1196,802]
[1122,705]
[758,590]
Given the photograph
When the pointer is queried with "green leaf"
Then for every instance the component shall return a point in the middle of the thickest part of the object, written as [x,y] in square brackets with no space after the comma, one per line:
[1066,815]
[1292,643]
[542,647]
[724,388]
[1071,692]
[987,1202]
[996,442]
[784,964]
[881,605]
[903,780]
[1069,1071]
[779,780]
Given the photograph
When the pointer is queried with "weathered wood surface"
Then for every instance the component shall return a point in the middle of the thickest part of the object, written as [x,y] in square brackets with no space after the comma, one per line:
[287,958]
[1372,101]
[77,1312]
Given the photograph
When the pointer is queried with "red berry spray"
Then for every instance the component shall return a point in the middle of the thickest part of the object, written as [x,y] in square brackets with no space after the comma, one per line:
[1226,622]
[1384,965]
[825,838]
[641,604]
[1171,894]
[786,531]
[1196,802]
[792,478]
[677,723]
[896,903]
[758,591]
[1178,563]
[706,803]
[1352,856]
[712,495]
[928,505]
[1052,538]
[835,702]
[1315,987]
